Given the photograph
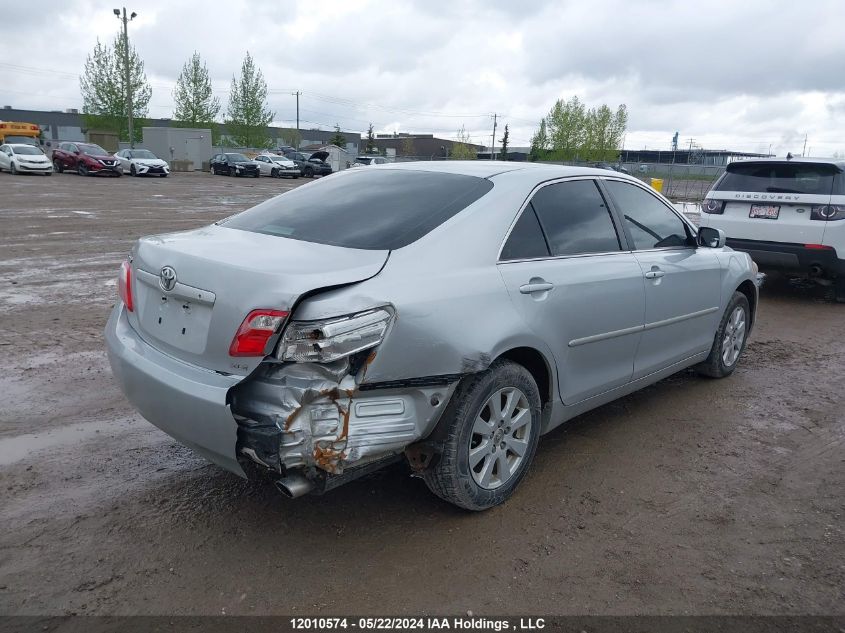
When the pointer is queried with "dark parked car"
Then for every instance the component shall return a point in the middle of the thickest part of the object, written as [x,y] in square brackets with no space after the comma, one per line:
[234,164]
[86,159]
[609,167]
[315,165]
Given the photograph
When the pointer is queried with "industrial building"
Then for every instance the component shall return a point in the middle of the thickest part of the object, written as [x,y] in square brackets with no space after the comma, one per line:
[68,125]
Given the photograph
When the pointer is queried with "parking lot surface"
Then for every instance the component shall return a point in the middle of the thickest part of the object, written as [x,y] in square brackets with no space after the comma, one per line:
[694,496]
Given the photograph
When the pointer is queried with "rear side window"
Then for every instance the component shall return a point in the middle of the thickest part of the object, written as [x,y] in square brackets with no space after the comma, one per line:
[526,240]
[650,222]
[575,218]
[807,178]
[361,208]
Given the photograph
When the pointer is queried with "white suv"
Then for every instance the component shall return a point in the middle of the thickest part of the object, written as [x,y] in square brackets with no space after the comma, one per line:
[788,214]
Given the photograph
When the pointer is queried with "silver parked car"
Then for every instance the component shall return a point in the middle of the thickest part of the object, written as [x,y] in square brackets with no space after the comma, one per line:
[448,312]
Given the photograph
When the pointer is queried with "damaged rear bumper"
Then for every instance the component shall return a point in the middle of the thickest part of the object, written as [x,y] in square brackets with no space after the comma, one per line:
[186,402]
[315,419]
[318,417]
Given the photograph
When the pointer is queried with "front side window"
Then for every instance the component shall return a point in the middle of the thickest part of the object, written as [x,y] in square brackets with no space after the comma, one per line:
[575,218]
[650,222]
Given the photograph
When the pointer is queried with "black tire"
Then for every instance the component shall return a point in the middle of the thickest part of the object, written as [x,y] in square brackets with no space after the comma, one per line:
[256,174]
[57,165]
[48,173]
[132,170]
[162,175]
[296,177]
[81,169]
[308,173]
[450,478]
[274,173]
[839,289]
[230,171]
[715,366]
[12,169]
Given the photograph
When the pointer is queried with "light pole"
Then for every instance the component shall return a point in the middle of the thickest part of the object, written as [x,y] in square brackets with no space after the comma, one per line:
[126,21]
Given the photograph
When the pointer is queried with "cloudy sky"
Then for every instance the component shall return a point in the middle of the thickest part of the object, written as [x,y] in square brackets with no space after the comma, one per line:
[741,75]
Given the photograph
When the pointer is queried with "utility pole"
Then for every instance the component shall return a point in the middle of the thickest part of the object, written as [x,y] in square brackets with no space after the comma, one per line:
[493,146]
[804,151]
[298,135]
[127,74]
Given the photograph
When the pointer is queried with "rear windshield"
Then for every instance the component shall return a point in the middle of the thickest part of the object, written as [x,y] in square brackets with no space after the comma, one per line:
[375,210]
[779,178]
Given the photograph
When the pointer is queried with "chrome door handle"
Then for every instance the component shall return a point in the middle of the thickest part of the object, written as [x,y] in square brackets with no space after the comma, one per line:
[654,274]
[527,289]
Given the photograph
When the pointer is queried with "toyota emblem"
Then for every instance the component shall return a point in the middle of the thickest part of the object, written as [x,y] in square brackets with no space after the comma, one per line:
[167,278]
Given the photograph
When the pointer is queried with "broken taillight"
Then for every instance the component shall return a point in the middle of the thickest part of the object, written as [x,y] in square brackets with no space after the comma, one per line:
[258,327]
[124,286]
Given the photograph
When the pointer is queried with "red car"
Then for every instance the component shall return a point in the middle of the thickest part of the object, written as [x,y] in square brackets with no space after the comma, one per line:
[86,159]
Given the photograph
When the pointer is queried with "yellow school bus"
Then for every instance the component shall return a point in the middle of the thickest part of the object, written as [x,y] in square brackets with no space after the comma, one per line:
[15,132]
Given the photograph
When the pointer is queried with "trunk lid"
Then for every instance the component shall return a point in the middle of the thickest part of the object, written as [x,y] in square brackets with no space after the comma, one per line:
[221,274]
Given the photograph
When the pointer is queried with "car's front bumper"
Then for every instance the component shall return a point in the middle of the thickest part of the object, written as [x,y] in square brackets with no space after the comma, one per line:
[41,168]
[144,170]
[789,257]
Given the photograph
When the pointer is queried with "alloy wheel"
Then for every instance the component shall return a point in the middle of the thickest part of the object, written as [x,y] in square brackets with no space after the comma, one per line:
[734,337]
[499,439]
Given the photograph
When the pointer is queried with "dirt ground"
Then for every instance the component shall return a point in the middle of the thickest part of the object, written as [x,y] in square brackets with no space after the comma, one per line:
[694,496]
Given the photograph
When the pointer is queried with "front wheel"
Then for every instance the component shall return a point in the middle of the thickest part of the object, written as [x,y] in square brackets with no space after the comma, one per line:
[308,173]
[13,169]
[731,337]
[57,165]
[82,170]
[493,427]
[133,171]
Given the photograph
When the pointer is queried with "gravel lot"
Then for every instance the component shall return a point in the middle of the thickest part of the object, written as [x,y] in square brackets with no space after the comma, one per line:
[693,496]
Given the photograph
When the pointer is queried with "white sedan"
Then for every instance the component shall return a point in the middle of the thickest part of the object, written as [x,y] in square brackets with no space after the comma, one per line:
[20,158]
[277,166]
[142,162]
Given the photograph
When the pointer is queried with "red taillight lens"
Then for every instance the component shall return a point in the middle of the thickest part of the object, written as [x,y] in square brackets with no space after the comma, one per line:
[818,247]
[258,327]
[713,206]
[124,286]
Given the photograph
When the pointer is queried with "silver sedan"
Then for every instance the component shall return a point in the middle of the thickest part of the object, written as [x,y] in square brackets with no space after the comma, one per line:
[444,313]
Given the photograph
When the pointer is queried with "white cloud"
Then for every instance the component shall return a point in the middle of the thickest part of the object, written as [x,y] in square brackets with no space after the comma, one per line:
[738,75]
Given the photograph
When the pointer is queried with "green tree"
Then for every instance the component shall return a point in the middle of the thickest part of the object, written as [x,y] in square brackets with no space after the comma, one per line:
[338,139]
[407,147]
[195,104]
[371,141]
[503,153]
[539,142]
[462,148]
[104,90]
[572,132]
[248,114]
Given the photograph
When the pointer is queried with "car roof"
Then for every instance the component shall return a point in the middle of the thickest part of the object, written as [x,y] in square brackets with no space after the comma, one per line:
[782,160]
[490,168]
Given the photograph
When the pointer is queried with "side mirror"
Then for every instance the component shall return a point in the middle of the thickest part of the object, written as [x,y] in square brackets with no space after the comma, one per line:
[711,238]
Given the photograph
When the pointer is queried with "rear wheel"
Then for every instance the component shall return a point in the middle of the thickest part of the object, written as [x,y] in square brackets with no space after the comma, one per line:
[730,339]
[839,289]
[493,427]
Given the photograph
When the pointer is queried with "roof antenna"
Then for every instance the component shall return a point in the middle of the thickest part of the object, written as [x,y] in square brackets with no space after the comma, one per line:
[789,156]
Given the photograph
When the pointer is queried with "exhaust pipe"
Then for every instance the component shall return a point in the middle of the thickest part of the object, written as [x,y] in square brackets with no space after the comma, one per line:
[294,485]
